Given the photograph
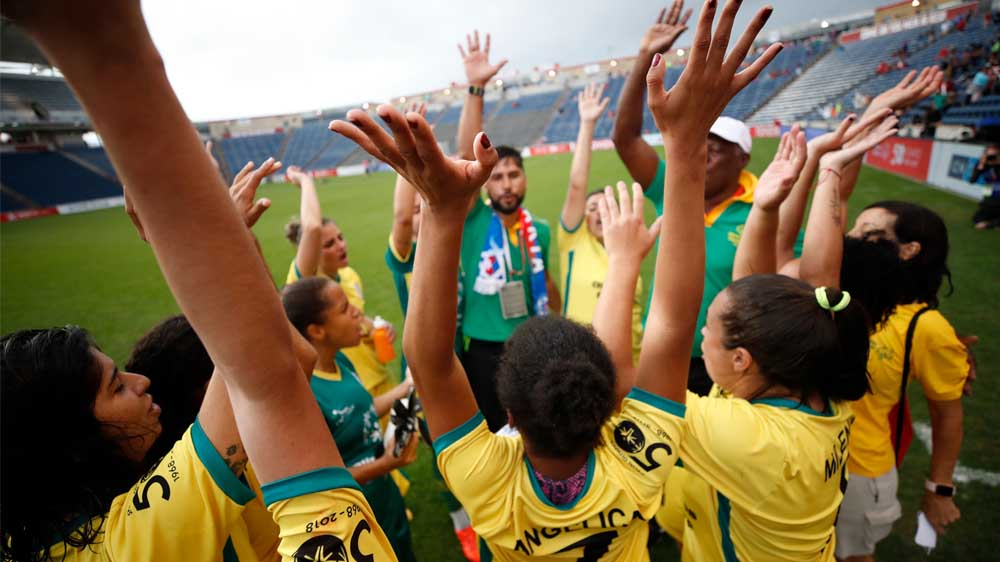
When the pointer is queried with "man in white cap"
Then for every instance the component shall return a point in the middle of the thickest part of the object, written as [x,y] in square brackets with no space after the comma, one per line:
[729,187]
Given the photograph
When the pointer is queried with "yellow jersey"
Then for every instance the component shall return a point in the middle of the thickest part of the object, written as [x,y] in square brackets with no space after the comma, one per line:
[324,516]
[937,359]
[766,478]
[373,374]
[493,479]
[583,262]
[184,508]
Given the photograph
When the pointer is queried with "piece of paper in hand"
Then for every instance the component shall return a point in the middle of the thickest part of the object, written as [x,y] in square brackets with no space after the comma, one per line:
[926,536]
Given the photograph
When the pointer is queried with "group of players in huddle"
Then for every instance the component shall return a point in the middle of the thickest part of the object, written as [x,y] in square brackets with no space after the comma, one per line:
[759,467]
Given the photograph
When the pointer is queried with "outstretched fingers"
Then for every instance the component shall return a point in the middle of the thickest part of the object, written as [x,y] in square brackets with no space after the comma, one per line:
[423,140]
[656,93]
[638,200]
[702,35]
[750,73]
[363,130]
[746,40]
[624,202]
[720,39]
[866,124]
[401,133]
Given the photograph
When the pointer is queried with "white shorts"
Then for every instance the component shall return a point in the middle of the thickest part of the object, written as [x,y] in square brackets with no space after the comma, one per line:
[869,509]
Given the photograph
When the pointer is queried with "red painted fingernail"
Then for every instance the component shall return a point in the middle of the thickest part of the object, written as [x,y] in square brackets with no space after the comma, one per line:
[711,3]
[386,118]
[657,58]
[413,125]
[485,141]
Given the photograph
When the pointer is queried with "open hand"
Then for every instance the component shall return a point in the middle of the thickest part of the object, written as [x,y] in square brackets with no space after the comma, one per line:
[777,180]
[244,189]
[668,27]
[414,153]
[478,70]
[839,159]
[590,104]
[685,114]
[908,91]
[625,232]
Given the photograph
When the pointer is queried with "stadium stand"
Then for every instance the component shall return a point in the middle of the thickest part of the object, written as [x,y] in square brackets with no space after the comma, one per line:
[34,99]
[835,74]
[49,179]
[305,143]
[520,122]
[926,55]
[93,157]
[238,151]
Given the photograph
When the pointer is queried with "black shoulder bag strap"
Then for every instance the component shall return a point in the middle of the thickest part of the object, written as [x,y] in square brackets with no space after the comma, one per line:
[901,411]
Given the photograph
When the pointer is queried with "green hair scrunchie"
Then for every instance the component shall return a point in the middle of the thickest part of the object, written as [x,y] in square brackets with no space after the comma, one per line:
[824,302]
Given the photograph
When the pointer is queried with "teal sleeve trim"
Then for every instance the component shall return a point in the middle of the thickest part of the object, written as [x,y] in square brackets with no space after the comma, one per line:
[319,480]
[569,230]
[728,550]
[449,438]
[217,468]
[295,268]
[659,402]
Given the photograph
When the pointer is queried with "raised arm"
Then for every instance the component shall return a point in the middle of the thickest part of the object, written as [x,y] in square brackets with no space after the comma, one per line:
[311,223]
[904,95]
[793,209]
[627,241]
[823,249]
[447,187]
[687,112]
[404,201]
[591,106]
[201,243]
[478,73]
[756,251]
[640,159]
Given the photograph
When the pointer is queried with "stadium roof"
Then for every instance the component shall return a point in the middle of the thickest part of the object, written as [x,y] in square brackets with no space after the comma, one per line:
[16,46]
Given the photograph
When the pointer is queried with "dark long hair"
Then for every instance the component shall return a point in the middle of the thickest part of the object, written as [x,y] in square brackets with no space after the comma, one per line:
[924,273]
[304,303]
[57,463]
[794,341]
[872,272]
[178,367]
[558,382]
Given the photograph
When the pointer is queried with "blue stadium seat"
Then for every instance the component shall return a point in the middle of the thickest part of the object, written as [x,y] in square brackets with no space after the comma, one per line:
[49,178]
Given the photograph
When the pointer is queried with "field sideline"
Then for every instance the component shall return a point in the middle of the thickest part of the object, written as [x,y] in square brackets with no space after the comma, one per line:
[91,269]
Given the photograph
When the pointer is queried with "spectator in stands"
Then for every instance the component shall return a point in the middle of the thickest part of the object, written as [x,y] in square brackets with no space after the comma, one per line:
[729,186]
[986,172]
[882,68]
[322,250]
[583,261]
[505,249]
[980,82]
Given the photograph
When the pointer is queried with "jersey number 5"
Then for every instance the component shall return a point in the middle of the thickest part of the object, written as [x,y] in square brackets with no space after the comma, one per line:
[143,502]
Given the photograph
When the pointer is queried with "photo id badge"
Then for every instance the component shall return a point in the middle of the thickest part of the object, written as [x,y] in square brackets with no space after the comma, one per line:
[512,301]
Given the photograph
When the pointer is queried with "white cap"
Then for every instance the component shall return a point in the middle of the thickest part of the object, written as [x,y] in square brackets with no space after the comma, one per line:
[734,131]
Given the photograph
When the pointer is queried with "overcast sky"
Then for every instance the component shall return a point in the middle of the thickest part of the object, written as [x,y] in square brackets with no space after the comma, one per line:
[239,58]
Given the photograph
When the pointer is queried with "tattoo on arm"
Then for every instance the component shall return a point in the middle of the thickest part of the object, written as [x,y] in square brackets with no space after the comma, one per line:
[236,458]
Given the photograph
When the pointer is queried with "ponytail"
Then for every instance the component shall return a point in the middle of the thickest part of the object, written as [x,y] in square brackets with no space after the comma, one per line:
[807,340]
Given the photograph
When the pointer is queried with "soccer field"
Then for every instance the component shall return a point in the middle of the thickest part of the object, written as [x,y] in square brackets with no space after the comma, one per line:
[91,270]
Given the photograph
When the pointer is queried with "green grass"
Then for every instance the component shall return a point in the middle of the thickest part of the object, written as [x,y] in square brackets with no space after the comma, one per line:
[91,270]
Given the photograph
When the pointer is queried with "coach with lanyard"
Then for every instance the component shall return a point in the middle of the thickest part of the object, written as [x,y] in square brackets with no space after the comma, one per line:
[505,250]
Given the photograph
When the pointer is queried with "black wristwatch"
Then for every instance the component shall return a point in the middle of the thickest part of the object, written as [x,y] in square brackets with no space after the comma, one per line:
[476,91]
[939,489]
